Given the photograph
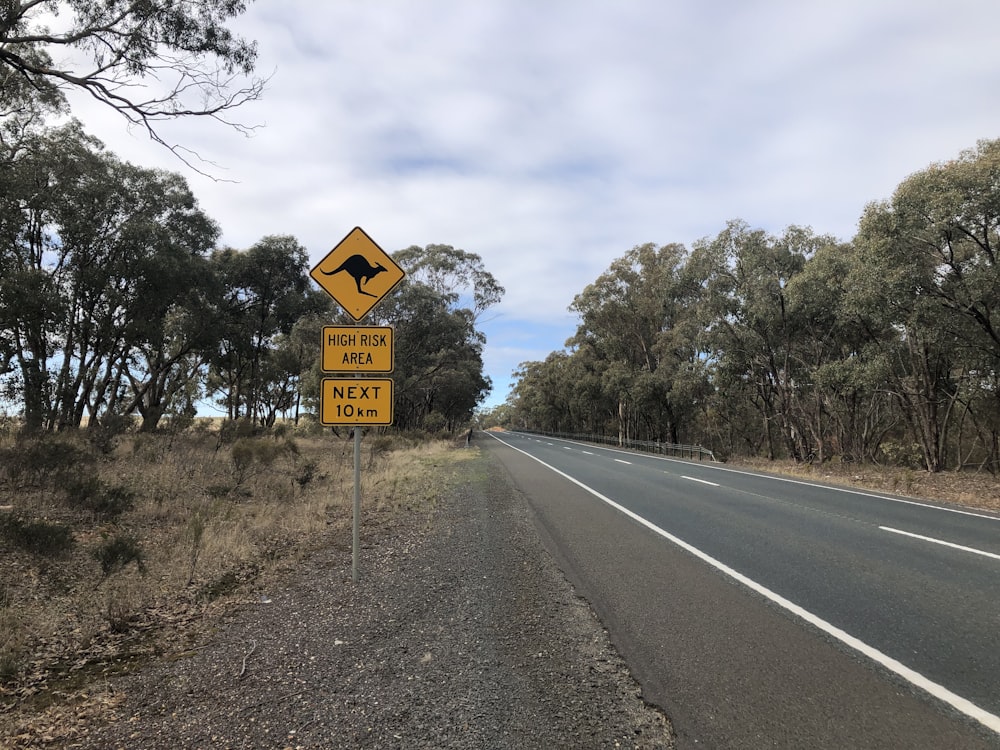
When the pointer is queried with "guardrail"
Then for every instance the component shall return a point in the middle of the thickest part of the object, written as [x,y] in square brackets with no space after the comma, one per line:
[695,452]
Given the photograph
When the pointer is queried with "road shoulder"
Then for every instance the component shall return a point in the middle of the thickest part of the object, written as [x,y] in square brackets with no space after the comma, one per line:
[461,633]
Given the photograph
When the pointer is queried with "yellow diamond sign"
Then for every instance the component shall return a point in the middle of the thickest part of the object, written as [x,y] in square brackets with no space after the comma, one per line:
[357,273]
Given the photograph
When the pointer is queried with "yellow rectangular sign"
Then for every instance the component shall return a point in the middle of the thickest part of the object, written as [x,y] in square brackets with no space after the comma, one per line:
[357,349]
[355,401]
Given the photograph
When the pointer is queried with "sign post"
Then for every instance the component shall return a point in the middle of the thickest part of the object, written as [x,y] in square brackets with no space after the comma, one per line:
[358,274]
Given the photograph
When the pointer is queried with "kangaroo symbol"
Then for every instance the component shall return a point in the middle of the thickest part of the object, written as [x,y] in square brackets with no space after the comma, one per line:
[358,267]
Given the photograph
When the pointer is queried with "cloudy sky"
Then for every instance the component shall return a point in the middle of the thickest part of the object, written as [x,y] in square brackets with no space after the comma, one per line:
[551,136]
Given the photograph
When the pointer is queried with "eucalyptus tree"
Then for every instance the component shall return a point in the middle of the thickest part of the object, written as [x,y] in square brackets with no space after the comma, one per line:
[631,319]
[104,286]
[51,240]
[148,291]
[298,356]
[266,289]
[149,61]
[438,358]
[24,108]
[927,269]
[174,300]
[541,394]
[460,277]
[760,344]
[438,376]
[845,407]
[585,404]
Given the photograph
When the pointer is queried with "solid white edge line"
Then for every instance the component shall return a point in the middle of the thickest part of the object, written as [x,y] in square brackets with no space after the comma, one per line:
[942,542]
[700,481]
[965,706]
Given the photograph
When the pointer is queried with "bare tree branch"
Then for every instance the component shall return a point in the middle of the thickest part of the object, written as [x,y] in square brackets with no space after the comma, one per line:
[149,60]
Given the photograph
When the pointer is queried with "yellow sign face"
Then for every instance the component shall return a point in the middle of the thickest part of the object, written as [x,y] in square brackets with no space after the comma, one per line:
[357,349]
[357,273]
[361,401]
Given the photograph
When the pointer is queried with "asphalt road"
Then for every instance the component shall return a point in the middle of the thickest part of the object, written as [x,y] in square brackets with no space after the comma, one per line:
[765,612]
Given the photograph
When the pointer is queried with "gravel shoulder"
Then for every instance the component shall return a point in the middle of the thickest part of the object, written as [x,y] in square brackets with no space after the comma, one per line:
[461,633]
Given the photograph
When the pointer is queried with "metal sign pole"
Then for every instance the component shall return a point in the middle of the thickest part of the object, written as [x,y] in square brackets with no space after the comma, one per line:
[355,261]
[357,503]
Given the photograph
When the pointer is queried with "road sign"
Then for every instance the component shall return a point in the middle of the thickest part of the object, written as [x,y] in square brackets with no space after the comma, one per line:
[356,401]
[357,273]
[357,349]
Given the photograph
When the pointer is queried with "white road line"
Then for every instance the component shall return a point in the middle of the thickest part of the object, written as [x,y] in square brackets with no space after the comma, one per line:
[623,462]
[587,453]
[566,447]
[695,479]
[963,705]
[931,539]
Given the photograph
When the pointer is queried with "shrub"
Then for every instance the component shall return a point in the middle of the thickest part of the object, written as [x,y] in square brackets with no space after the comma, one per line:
[309,426]
[225,584]
[380,444]
[251,454]
[45,460]
[40,537]
[306,473]
[116,552]
[907,455]
[101,499]
[104,434]
[435,422]
[218,491]
[123,605]
[10,664]
[232,430]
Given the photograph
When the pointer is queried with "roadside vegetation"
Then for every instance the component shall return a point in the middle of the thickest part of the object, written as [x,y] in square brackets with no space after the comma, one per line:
[883,350]
[115,553]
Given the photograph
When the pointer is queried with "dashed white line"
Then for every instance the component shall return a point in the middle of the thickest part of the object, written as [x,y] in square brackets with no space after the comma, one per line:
[942,542]
[700,481]
[623,462]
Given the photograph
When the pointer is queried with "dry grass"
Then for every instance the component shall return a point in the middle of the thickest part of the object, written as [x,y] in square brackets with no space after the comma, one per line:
[210,524]
[969,488]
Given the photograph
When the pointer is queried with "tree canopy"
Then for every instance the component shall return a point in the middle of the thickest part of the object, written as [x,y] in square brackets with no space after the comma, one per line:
[885,348]
[149,61]
[115,300]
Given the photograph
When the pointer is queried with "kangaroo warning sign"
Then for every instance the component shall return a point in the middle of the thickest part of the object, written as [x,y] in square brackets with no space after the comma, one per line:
[356,401]
[357,273]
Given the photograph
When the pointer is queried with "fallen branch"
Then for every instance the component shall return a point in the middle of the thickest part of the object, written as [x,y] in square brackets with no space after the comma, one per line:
[243,669]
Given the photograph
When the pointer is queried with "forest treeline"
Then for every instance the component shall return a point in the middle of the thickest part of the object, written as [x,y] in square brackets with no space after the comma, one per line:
[882,349]
[115,300]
